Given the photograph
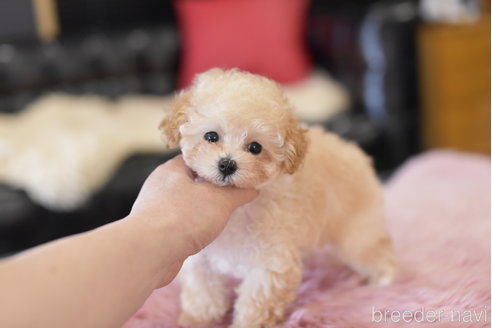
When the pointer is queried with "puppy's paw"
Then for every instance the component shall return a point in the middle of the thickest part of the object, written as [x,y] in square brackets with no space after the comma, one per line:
[188,320]
[383,278]
[198,320]
[384,270]
[259,317]
[263,325]
[191,320]
[204,312]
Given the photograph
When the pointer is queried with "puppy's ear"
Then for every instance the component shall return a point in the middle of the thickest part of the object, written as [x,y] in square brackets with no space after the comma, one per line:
[295,147]
[176,116]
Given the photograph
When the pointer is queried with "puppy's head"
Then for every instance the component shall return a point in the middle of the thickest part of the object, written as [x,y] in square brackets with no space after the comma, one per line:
[235,128]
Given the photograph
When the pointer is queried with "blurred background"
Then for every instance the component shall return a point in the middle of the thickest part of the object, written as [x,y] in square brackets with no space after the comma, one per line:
[84,84]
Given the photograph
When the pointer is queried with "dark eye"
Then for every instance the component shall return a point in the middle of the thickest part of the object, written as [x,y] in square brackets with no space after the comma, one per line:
[254,148]
[211,136]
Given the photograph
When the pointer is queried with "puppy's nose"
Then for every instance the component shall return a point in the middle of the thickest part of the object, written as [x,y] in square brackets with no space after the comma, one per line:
[227,166]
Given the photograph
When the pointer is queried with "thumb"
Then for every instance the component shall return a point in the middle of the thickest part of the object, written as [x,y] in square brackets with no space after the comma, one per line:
[243,196]
[237,196]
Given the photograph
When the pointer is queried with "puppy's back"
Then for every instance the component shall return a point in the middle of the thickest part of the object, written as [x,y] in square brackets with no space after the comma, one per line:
[341,182]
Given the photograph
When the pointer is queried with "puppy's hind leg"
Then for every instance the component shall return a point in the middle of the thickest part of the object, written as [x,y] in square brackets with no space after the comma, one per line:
[365,245]
[204,293]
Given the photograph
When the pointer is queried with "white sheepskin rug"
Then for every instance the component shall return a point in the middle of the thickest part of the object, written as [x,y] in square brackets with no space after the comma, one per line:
[61,149]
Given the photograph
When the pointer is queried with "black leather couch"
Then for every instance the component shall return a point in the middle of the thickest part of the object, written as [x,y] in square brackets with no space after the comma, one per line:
[111,52]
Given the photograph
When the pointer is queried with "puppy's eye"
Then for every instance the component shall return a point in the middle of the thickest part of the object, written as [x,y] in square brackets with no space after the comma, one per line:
[211,136]
[254,148]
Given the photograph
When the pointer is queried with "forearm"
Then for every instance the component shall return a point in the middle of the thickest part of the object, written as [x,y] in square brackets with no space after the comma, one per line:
[95,279]
[100,278]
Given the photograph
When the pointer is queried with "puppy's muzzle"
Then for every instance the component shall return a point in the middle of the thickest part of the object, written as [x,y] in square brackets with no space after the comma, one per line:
[227,166]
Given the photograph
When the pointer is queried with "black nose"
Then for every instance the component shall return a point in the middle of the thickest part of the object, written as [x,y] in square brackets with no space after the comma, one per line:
[227,166]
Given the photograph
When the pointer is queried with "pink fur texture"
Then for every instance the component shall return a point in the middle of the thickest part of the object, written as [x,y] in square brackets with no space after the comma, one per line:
[438,212]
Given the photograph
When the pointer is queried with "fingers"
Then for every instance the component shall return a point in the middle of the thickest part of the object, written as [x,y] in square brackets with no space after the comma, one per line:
[175,165]
[231,196]
[239,196]
[236,196]
[179,164]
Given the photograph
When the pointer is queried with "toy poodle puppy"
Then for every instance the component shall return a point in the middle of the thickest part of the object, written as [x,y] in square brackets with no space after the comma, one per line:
[236,128]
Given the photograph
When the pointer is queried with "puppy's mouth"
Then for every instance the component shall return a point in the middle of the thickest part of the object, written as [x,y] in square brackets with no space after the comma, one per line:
[226,179]
[219,179]
[223,180]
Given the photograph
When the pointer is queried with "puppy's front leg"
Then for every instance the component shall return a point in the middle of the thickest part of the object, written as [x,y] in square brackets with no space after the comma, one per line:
[204,293]
[265,293]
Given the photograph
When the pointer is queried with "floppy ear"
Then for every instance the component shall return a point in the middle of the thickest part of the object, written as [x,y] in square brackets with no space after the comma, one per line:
[176,116]
[295,147]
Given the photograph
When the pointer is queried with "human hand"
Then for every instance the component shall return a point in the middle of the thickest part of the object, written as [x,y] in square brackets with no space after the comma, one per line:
[196,211]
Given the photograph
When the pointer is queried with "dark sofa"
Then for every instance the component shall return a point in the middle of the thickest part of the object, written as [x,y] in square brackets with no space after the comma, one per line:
[135,49]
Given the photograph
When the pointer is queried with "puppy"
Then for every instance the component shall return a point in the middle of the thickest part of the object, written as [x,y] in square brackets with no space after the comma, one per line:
[235,128]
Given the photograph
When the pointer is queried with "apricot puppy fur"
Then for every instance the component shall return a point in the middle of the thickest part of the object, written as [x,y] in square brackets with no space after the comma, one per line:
[236,128]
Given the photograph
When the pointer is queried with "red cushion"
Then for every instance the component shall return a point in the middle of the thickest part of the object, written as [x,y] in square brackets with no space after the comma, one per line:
[261,36]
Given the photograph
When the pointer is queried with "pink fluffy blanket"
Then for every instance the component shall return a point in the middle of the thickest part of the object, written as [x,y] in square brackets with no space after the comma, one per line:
[438,212]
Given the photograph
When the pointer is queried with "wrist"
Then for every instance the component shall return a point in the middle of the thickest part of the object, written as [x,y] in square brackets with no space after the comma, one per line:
[157,242]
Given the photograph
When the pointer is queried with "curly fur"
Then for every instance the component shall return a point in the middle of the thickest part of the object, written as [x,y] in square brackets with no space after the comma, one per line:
[314,189]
